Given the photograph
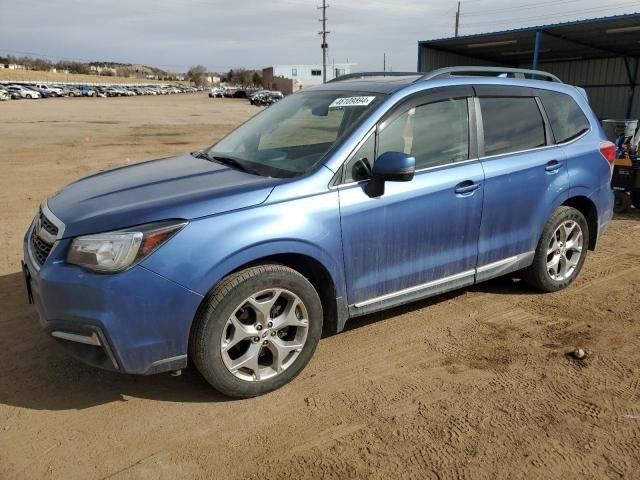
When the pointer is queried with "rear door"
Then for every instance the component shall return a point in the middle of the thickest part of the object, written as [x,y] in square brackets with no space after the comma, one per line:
[422,234]
[525,177]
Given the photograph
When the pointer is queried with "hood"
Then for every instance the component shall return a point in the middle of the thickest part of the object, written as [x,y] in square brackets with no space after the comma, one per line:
[175,187]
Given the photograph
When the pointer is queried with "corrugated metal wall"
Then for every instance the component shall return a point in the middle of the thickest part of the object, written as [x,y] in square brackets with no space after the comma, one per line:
[606,101]
[433,58]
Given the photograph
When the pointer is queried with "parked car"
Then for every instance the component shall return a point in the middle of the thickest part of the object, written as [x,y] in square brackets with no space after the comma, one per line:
[216,93]
[338,201]
[43,93]
[13,95]
[51,90]
[86,91]
[265,97]
[23,91]
[101,92]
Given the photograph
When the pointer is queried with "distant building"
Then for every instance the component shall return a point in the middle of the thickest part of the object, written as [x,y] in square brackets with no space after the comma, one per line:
[97,70]
[14,66]
[291,78]
[213,79]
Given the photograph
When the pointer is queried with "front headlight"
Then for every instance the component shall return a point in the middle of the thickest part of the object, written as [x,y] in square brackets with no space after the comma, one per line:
[116,251]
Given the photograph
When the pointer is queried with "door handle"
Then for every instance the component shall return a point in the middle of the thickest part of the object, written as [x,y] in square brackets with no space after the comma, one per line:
[467,187]
[553,166]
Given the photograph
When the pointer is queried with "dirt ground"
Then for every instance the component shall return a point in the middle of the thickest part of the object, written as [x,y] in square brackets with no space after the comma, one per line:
[473,384]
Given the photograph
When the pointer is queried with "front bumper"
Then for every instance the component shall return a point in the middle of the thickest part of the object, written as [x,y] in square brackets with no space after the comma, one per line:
[135,321]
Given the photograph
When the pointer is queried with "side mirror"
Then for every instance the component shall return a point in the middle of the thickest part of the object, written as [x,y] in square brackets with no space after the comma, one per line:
[390,167]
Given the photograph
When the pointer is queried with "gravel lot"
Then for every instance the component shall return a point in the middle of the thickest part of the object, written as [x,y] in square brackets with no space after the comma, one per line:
[473,384]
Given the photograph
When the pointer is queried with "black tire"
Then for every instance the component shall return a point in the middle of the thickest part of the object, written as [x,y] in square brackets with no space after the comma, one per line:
[537,274]
[219,305]
[622,202]
[635,199]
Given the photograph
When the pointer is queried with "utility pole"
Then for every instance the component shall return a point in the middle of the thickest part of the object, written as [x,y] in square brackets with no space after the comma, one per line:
[384,62]
[324,34]
[458,20]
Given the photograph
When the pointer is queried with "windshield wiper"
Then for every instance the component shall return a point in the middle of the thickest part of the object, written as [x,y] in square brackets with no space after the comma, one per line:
[233,163]
[201,154]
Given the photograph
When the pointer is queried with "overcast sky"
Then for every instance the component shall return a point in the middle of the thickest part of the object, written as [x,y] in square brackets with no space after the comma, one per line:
[176,34]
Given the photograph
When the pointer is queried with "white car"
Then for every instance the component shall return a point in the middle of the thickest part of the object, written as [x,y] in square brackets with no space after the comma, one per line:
[23,91]
[4,95]
[53,91]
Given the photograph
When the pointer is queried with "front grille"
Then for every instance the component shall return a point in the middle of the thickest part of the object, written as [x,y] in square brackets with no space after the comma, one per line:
[47,225]
[42,238]
[40,249]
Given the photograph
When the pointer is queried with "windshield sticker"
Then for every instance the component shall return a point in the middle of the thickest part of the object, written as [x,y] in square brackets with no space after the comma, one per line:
[351,102]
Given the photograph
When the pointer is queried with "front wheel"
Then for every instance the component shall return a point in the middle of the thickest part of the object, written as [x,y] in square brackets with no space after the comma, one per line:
[635,199]
[256,330]
[561,251]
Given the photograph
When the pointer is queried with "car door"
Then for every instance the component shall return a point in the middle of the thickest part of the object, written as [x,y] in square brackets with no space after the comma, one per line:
[525,176]
[419,237]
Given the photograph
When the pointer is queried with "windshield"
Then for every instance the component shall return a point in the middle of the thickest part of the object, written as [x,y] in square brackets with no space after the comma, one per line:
[292,136]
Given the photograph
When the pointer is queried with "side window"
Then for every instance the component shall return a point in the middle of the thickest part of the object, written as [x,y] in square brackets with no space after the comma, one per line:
[511,124]
[359,165]
[566,117]
[435,134]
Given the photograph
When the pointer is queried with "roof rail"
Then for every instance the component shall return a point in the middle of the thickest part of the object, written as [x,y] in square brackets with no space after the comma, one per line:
[498,71]
[350,76]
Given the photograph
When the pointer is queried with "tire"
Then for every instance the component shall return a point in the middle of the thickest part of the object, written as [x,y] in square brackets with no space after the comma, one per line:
[555,265]
[635,199]
[229,331]
[622,202]
[28,96]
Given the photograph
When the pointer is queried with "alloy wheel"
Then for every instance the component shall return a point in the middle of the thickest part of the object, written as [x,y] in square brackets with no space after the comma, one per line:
[264,335]
[564,250]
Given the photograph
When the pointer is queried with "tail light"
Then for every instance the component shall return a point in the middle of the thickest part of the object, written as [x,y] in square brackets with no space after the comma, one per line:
[608,151]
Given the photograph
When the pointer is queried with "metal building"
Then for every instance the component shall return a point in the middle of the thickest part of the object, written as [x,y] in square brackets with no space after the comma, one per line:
[601,55]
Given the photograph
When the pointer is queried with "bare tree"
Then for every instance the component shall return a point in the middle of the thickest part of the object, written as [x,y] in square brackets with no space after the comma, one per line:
[198,75]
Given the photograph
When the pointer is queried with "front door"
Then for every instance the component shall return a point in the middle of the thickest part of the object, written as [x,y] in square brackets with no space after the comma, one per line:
[421,233]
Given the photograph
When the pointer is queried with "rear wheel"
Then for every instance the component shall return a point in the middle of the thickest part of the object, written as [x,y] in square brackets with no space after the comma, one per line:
[635,199]
[256,330]
[561,251]
[622,202]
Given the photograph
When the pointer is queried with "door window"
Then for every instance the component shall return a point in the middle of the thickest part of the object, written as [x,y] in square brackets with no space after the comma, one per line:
[511,125]
[435,134]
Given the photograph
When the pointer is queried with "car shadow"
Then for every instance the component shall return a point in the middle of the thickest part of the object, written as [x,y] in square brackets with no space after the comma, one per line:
[38,374]
[507,285]
[631,214]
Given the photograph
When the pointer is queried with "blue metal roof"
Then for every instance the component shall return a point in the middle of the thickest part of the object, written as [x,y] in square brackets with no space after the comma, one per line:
[614,36]
[626,16]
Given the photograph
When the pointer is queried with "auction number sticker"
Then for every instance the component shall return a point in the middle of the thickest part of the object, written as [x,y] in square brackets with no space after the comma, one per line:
[351,102]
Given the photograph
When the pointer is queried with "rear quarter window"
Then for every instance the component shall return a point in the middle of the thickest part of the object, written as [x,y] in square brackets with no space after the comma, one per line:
[567,119]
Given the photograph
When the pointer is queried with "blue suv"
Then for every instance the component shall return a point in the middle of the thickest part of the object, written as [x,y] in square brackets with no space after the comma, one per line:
[368,192]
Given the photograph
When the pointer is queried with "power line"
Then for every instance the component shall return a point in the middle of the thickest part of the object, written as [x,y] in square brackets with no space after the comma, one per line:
[554,15]
[520,7]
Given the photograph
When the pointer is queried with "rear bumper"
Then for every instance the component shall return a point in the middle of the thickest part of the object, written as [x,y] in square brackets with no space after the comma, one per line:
[134,322]
[604,201]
